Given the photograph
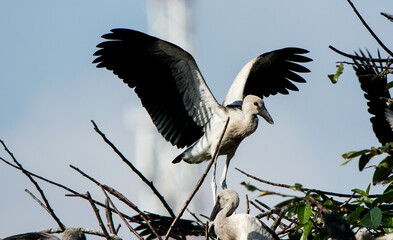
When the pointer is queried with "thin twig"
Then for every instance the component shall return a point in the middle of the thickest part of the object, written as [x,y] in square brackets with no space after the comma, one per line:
[369,29]
[195,217]
[215,155]
[247,205]
[99,204]
[109,218]
[358,57]
[51,212]
[39,177]
[74,193]
[368,65]
[85,175]
[119,196]
[96,211]
[37,200]
[125,200]
[388,16]
[305,189]
[136,171]
[122,218]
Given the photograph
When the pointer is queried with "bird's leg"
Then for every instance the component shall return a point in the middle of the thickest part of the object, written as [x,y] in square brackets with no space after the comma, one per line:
[223,180]
[213,183]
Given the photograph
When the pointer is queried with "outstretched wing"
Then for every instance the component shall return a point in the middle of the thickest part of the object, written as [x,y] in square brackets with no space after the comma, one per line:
[166,79]
[374,86]
[268,74]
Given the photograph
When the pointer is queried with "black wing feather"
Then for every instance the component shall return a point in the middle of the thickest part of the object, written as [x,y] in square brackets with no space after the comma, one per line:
[128,54]
[276,71]
[374,86]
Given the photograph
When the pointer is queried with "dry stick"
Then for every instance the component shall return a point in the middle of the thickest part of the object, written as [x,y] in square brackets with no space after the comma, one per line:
[98,216]
[140,175]
[60,186]
[108,215]
[118,228]
[51,212]
[125,200]
[368,65]
[119,196]
[195,217]
[369,29]
[122,218]
[85,175]
[215,155]
[358,57]
[37,200]
[388,16]
[305,189]
[247,205]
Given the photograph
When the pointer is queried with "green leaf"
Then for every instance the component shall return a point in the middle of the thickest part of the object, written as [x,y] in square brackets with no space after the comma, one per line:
[297,187]
[354,216]
[389,85]
[368,189]
[387,221]
[288,202]
[306,230]
[249,186]
[334,77]
[360,192]
[387,197]
[373,218]
[304,213]
[364,159]
[291,212]
[386,147]
[354,154]
[328,203]
[388,230]
[384,169]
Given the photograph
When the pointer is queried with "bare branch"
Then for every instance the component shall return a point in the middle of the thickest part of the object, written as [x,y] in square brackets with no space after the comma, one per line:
[306,189]
[37,200]
[195,217]
[388,16]
[119,196]
[369,29]
[136,171]
[108,214]
[385,60]
[96,211]
[368,65]
[50,210]
[122,218]
[214,158]
[247,205]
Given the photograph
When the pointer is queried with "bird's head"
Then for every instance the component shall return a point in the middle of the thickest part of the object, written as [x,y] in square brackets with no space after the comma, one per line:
[228,199]
[255,105]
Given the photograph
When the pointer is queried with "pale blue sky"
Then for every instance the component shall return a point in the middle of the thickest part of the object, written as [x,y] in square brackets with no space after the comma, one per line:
[50,91]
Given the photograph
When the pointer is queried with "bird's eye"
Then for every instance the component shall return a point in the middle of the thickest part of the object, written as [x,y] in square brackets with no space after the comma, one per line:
[255,103]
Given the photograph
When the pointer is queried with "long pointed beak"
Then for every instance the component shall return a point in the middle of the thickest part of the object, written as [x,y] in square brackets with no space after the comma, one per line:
[216,209]
[265,114]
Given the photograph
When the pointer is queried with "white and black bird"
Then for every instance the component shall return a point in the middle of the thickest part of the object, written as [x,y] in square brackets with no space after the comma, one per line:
[170,86]
[231,226]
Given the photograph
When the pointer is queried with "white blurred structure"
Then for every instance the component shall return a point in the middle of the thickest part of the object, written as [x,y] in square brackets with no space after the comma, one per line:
[169,20]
